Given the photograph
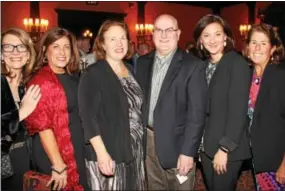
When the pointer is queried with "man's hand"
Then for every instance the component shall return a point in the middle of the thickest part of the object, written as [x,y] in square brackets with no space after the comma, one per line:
[184,164]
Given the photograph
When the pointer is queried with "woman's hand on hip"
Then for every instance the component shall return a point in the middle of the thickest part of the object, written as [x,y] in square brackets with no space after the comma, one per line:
[220,162]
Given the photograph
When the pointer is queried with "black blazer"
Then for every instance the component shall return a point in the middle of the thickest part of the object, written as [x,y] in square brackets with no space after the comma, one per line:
[179,114]
[10,125]
[104,111]
[268,128]
[227,104]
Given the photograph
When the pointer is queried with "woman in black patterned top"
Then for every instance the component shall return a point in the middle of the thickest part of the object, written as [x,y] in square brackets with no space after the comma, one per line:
[110,102]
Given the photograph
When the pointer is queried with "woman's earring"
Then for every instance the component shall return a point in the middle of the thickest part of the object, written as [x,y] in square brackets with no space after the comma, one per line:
[201,47]
[2,61]
[45,60]
[272,58]
[225,43]
[28,61]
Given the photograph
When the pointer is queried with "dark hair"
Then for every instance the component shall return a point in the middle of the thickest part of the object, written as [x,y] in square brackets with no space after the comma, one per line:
[274,40]
[50,37]
[82,38]
[202,24]
[99,41]
[25,38]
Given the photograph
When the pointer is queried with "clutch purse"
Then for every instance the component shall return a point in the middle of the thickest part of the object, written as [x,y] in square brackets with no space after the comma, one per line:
[6,166]
[34,181]
[267,181]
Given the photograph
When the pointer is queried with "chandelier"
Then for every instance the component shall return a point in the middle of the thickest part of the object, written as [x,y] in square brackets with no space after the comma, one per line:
[243,29]
[144,33]
[87,33]
[36,27]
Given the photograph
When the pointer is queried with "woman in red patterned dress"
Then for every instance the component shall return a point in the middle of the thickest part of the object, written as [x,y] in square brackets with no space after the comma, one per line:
[58,142]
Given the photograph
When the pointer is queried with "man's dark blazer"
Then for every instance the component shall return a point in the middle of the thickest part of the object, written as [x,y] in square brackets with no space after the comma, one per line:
[179,114]
[268,128]
[227,104]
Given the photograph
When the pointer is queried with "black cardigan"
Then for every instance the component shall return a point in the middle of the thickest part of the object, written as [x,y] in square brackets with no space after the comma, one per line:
[268,128]
[10,125]
[104,111]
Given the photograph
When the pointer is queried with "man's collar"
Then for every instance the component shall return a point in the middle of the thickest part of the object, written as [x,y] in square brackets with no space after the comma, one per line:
[166,56]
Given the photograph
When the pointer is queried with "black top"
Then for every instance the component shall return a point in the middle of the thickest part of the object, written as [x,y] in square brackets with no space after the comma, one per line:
[70,86]
[13,131]
[104,111]
[268,126]
[11,127]
[227,102]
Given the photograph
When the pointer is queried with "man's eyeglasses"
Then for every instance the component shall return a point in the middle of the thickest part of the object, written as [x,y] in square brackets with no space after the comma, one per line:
[10,48]
[168,31]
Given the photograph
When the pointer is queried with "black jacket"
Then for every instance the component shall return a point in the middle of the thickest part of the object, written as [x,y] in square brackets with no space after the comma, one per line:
[268,128]
[179,114]
[104,111]
[227,104]
[10,125]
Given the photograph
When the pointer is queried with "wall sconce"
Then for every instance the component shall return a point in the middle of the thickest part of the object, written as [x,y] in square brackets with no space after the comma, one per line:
[35,27]
[87,33]
[144,33]
[243,29]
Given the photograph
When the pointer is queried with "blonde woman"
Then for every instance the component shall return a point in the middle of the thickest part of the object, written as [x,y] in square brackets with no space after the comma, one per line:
[17,60]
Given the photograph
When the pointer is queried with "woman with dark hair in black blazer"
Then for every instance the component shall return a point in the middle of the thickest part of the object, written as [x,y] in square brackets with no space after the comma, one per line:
[225,143]
[267,106]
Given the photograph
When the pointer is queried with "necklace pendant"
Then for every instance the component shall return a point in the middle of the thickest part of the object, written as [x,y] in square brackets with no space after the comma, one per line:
[257,81]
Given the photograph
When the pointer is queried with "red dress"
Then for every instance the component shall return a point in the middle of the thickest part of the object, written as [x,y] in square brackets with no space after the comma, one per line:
[51,113]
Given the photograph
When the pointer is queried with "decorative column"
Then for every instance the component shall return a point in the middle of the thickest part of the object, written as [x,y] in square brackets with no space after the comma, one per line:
[216,10]
[34,9]
[141,11]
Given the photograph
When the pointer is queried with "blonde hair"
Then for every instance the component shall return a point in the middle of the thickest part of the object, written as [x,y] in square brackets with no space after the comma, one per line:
[25,38]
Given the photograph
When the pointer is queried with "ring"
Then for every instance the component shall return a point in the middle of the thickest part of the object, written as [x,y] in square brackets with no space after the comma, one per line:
[34,98]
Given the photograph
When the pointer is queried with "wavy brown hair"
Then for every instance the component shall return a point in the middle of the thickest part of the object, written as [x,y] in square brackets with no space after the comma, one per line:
[25,38]
[274,40]
[99,41]
[50,37]
[202,24]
